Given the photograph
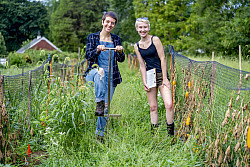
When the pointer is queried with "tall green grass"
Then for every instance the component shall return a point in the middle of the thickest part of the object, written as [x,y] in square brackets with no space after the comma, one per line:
[130,140]
[69,135]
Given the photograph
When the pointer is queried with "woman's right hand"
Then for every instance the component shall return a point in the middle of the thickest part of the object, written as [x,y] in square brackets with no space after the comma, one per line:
[101,48]
[146,87]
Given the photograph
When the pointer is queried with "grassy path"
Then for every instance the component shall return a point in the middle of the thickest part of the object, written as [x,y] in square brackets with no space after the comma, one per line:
[130,140]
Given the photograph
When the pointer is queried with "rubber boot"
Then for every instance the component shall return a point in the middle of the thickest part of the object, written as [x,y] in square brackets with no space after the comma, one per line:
[99,108]
[154,128]
[170,128]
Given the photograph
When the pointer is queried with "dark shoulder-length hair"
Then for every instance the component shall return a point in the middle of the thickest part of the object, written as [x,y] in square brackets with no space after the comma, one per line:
[109,14]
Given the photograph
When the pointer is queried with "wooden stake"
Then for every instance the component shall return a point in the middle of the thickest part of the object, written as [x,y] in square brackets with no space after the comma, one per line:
[49,88]
[240,70]
[240,62]
[73,67]
[212,80]
[29,100]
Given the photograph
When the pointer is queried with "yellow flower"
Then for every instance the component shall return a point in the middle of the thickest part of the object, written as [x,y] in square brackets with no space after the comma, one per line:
[189,84]
[174,82]
[248,138]
[188,120]
[187,94]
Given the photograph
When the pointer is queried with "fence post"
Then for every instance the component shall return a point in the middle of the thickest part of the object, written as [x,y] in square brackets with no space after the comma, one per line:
[212,80]
[32,56]
[2,155]
[129,60]
[22,77]
[240,83]
[4,121]
[73,68]
[29,100]
[63,68]
[240,65]
[78,64]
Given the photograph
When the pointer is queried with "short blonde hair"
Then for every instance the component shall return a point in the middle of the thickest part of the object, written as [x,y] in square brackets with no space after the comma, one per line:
[142,19]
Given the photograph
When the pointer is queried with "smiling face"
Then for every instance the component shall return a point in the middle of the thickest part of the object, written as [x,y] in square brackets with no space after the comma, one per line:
[108,24]
[142,28]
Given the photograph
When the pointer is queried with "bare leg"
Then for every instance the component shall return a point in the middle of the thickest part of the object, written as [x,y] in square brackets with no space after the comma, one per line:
[152,100]
[167,98]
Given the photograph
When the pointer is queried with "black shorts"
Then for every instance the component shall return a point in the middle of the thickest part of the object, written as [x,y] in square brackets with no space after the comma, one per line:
[159,79]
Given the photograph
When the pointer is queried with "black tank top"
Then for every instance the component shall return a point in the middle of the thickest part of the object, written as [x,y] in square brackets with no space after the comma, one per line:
[151,57]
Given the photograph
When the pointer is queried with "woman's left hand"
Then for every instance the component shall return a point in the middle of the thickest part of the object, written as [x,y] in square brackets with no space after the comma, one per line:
[166,83]
[118,48]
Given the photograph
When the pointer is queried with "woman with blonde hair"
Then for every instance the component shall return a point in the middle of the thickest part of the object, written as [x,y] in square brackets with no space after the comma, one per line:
[150,53]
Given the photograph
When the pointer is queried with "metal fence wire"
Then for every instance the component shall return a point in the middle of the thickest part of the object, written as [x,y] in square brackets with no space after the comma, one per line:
[18,88]
[219,83]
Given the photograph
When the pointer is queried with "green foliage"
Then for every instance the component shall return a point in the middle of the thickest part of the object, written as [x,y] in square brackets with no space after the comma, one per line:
[219,26]
[236,32]
[69,138]
[189,25]
[126,20]
[35,56]
[21,20]
[2,45]
[128,48]
[72,21]
[166,18]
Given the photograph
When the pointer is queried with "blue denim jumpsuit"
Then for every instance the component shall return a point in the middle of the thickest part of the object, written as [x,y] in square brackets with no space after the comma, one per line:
[101,83]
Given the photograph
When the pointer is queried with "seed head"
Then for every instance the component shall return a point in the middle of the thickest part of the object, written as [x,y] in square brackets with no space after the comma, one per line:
[227,154]
[216,154]
[217,141]
[237,146]
[220,158]
[225,121]
[225,139]
[238,163]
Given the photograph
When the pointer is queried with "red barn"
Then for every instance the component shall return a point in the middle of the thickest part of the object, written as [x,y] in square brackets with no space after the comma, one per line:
[39,43]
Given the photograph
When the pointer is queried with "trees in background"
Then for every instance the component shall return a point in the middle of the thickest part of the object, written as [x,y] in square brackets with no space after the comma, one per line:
[210,25]
[214,26]
[21,20]
[73,20]
[167,17]
[126,20]
[2,45]
[188,25]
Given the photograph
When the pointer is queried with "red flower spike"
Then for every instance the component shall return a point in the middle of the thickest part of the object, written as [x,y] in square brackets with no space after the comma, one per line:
[29,150]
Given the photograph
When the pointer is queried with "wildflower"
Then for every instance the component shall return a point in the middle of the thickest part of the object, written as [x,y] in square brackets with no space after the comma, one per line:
[29,150]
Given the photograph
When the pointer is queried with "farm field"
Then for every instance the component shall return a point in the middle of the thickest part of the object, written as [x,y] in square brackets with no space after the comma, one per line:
[61,129]
[130,140]
[47,110]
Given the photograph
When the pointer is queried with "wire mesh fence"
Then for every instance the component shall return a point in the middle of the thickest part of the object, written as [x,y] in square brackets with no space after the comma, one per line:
[211,105]
[221,81]
[18,88]
[206,89]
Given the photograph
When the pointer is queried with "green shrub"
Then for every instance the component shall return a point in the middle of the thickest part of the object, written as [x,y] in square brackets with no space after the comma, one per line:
[35,56]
